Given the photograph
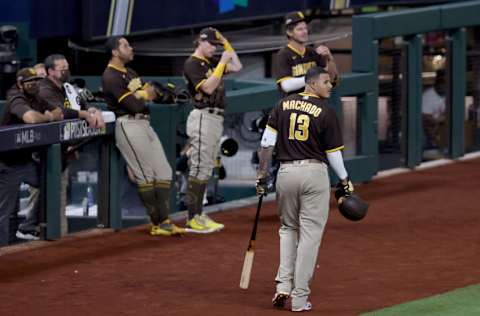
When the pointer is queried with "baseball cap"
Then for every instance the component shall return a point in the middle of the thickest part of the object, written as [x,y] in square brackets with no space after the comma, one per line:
[27,74]
[211,35]
[294,17]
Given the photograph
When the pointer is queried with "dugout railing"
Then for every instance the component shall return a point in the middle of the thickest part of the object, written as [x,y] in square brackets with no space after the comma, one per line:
[410,24]
[47,139]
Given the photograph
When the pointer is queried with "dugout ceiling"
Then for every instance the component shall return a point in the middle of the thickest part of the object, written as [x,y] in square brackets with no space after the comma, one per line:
[259,39]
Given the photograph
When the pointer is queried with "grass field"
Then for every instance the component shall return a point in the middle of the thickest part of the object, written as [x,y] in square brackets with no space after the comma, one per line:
[459,302]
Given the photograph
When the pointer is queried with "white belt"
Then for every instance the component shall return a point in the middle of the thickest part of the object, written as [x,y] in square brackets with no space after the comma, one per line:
[216,111]
[301,162]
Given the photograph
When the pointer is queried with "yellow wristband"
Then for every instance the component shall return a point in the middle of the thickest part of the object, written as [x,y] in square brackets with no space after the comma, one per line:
[227,47]
[219,70]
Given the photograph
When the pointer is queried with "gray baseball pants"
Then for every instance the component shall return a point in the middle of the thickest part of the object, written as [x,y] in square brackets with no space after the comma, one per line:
[303,194]
[142,150]
[204,130]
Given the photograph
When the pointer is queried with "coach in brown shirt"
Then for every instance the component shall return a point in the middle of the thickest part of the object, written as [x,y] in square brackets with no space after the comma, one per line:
[52,92]
[22,107]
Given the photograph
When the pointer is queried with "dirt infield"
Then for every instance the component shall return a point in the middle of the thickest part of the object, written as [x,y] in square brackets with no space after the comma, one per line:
[420,238]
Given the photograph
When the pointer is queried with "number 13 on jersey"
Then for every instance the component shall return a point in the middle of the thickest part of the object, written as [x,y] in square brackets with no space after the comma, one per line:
[299,127]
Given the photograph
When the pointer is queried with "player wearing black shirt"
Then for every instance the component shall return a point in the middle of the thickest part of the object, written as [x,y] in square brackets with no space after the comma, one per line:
[307,138]
[204,75]
[17,166]
[126,94]
[293,61]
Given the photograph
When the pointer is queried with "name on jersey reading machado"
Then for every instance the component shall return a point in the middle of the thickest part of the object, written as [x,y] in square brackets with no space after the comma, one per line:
[301,105]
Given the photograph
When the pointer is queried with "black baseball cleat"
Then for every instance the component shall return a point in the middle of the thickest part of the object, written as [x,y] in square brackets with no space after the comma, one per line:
[280,299]
[27,235]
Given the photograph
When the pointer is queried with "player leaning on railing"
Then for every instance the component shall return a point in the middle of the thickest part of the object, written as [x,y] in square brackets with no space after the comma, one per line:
[53,91]
[22,107]
[125,94]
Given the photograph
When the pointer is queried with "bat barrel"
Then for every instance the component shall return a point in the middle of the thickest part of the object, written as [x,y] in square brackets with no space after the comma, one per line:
[249,255]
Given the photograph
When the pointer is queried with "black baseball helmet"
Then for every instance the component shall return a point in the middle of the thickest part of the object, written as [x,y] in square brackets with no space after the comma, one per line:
[228,146]
[352,207]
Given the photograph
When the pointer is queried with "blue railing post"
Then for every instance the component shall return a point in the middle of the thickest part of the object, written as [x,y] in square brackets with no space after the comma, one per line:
[53,191]
[458,89]
[414,101]
[115,187]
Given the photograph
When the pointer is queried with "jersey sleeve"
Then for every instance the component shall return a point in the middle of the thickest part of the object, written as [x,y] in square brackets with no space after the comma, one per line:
[272,122]
[282,69]
[333,138]
[194,73]
[18,106]
[117,87]
[49,98]
[49,106]
[52,100]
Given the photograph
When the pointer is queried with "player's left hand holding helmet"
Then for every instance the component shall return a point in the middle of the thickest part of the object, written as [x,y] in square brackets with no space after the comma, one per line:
[344,188]
[351,206]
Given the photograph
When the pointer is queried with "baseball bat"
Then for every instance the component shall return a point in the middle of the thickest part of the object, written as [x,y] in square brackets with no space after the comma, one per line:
[248,261]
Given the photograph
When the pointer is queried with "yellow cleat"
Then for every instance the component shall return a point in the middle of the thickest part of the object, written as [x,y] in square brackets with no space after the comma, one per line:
[210,223]
[197,225]
[155,230]
[166,228]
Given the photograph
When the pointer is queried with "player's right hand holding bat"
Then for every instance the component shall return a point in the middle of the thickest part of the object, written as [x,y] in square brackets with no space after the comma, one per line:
[262,183]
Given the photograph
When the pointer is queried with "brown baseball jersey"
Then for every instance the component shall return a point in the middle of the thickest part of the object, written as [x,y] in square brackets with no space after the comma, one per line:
[307,128]
[119,86]
[196,71]
[19,103]
[54,96]
[290,63]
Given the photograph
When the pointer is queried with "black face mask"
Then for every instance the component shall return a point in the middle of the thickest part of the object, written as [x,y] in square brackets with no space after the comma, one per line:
[65,76]
[31,90]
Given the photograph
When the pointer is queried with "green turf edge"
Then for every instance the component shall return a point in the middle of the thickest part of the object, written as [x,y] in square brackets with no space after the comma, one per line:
[462,301]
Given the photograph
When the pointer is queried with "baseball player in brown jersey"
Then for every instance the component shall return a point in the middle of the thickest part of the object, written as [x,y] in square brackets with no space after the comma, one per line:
[126,94]
[307,137]
[293,61]
[203,73]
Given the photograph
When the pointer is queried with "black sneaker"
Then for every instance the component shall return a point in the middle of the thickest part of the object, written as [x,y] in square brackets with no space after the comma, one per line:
[30,235]
[280,299]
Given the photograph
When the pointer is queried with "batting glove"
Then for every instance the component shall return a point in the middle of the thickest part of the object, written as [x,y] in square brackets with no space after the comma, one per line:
[261,185]
[344,189]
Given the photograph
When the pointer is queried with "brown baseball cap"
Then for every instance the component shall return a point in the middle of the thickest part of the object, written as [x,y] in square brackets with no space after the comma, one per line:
[211,35]
[294,17]
[27,74]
